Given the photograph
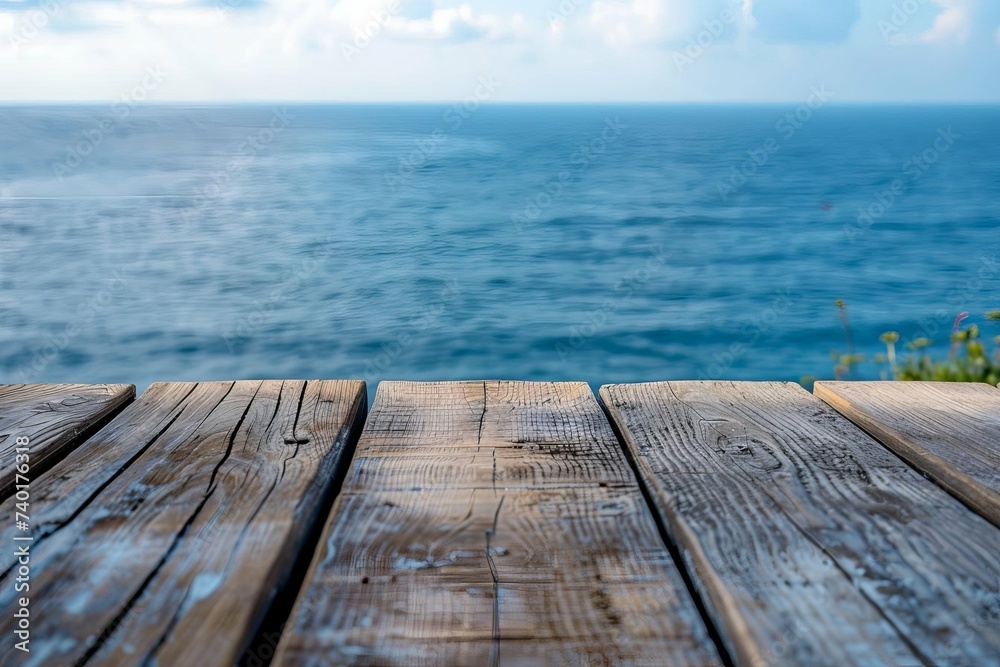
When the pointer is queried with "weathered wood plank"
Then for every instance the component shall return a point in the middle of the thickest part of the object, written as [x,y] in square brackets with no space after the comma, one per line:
[949,431]
[492,523]
[55,418]
[810,543]
[66,489]
[175,559]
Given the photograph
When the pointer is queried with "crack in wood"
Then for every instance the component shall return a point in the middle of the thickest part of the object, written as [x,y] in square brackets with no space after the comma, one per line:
[924,660]
[178,538]
[46,530]
[295,424]
[178,613]
[232,440]
[495,646]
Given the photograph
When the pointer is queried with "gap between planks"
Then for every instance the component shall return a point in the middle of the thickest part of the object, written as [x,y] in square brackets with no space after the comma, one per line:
[492,523]
[948,431]
[808,542]
[56,419]
[184,546]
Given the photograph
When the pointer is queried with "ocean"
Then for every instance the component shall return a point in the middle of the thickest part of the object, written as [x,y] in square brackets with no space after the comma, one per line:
[143,242]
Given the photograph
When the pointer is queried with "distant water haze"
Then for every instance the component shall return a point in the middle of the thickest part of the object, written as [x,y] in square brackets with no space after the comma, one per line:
[434,242]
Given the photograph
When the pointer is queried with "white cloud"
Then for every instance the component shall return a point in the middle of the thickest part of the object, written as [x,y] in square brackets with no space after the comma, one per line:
[460,24]
[953,24]
[625,23]
[609,49]
[748,17]
[958,22]
[200,16]
[297,24]
[357,13]
[290,26]
[165,3]
[104,14]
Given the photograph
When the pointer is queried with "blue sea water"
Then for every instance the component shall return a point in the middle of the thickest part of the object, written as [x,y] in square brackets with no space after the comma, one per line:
[598,243]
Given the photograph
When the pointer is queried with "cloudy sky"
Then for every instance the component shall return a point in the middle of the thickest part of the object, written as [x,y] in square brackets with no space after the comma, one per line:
[535,50]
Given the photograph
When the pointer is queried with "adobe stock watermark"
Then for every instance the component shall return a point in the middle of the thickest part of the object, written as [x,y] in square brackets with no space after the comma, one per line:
[22,543]
[566,9]
[752,331]
[377,366]
[244,155]
[95,135]
[594,321]
[912,171]
[581,160]
[51,347]
[453,118]
[902,12]
[364,35]
[34,23]
[786,128]
[711,30]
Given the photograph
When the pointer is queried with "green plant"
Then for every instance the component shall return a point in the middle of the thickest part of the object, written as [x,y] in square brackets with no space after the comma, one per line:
[845,363]
[968,359]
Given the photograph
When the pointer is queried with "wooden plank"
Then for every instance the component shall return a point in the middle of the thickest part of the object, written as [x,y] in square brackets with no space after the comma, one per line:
[809,542]
[175,559]
[946,430]
[55,418]
[492,523]
[68,487]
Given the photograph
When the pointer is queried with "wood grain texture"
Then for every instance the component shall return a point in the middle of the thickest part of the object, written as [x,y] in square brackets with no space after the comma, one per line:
[486,523]
[809,542]
[67,488]
[949,431]
[55,417]
[174,559]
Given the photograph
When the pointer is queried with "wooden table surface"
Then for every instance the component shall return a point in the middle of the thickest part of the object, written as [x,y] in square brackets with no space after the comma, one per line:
[500,523]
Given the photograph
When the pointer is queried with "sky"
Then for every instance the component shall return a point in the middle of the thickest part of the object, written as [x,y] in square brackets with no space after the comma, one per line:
[500,50]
